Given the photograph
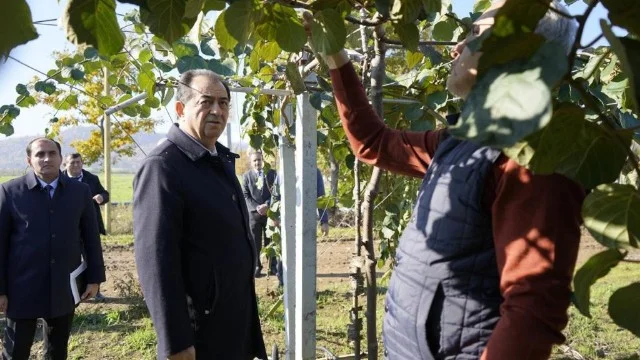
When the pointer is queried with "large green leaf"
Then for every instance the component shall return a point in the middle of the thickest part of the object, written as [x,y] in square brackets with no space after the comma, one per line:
[511,101]
[596,156]
[209,46]
[624,13]
[213,5]
[267,51]
[146,78]
[611,212]
[16,25]
[21,89]
[328,33]
[543,150]
[223,36]
[595,268]
[413,59]
[408,35]
[444,29]
[192,8]
[293,75]
[290,33]
[481,5]
[628,51]
[165,18]
[520,45]
[406,10]
[623,308]
[186,63]
[94,22]
[432,6]
[220,68]
[184,48]
[46,87]
[239,23]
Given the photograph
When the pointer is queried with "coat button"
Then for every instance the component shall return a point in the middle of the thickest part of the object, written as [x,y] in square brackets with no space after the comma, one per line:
[386,353]
[386,308]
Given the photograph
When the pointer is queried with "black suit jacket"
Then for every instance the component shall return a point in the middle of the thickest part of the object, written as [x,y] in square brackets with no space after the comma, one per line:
[41,240]
[96,189]
[194,252]
[252,194]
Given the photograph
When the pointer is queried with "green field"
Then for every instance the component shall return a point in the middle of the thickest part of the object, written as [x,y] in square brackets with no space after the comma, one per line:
[121,186]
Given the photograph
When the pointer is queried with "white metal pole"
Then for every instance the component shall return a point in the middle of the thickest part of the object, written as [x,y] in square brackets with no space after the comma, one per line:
[287,182]
[306,207]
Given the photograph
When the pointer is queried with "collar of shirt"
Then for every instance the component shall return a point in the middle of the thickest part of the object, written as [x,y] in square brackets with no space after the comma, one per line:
[54,185]
[213,152]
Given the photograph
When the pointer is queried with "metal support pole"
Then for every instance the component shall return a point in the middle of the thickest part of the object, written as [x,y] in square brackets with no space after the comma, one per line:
[306,207]
[287,182]
[107,155]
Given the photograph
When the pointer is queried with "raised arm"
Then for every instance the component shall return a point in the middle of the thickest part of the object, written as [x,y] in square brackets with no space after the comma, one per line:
[157,227]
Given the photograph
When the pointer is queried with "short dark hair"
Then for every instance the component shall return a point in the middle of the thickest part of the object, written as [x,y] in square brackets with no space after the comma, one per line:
[73,156]
[40,139]
[185,91]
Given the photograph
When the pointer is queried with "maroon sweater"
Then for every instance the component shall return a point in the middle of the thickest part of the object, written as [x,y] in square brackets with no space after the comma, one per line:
[536,224]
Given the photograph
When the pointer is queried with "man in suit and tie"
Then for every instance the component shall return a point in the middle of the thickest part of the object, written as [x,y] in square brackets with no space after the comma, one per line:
[73,168]
[47,223]
[258,188]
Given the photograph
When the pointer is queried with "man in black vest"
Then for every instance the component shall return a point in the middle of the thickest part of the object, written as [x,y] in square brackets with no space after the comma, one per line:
[47,222]
[193,247]
[258,189]
[73,169]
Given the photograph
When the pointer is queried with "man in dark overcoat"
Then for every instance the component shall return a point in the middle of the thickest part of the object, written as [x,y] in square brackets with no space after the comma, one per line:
[193,248]
[257,186]
[47,222]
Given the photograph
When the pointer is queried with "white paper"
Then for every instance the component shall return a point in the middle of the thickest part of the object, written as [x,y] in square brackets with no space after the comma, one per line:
[74,284]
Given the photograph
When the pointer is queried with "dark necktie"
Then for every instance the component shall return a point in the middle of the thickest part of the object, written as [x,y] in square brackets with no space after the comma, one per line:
[49,188]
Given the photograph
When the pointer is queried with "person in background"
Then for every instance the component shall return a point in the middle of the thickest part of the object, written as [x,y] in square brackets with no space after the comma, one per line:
[474,278]
[74,169]
[192,242]
[257,189]
[47,224]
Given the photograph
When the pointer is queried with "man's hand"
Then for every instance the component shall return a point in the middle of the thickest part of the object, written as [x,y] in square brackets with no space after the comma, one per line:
[98,199]
[262,209]
[92,290]
[324,229]
[187,354]
[4,303]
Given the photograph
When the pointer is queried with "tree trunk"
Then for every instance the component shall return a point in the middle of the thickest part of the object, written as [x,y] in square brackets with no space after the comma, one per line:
[334,167]
[371,192]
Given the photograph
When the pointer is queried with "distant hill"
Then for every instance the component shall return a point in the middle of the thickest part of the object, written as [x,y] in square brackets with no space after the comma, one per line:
[13,156]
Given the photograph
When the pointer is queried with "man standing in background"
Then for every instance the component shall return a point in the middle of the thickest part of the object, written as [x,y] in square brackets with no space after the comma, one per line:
[258,188]
[47,222]
[73,169]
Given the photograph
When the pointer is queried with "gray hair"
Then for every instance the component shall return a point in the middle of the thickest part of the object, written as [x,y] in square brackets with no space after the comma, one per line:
[555,27]
[185,91]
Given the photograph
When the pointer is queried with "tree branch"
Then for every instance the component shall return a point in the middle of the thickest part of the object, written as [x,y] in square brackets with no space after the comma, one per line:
[455,18]
[366,22]
[593,42]
[582,21]
[429,43]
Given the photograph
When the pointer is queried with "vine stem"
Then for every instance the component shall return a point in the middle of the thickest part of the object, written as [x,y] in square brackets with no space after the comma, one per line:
[582,21]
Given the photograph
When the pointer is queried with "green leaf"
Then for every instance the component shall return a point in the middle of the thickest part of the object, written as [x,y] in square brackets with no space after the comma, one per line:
[152,102]
[145,55]
[77,74]
[432,6]
[147,79]
[165,18]
[406,11]
[293,75]
[193,8]
[67,103]
[241,24]
[520,45]
[16,26]
[168,96]
[511,101]
[383,7]
[208,47]
[45,87]
[611,213]
[595,268]
[223,36]
[21,89]
[184,48]
[90,53]
[213,5]
[186,63]
[26,101]
[481,6]
[163,66]
[444,29]
[624,13]
[220,68]
[413,58]
[628,51]
[328,33]
[290,33]
[408,35]
[267,51]
[6,129]
[94,23]
[623,308]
